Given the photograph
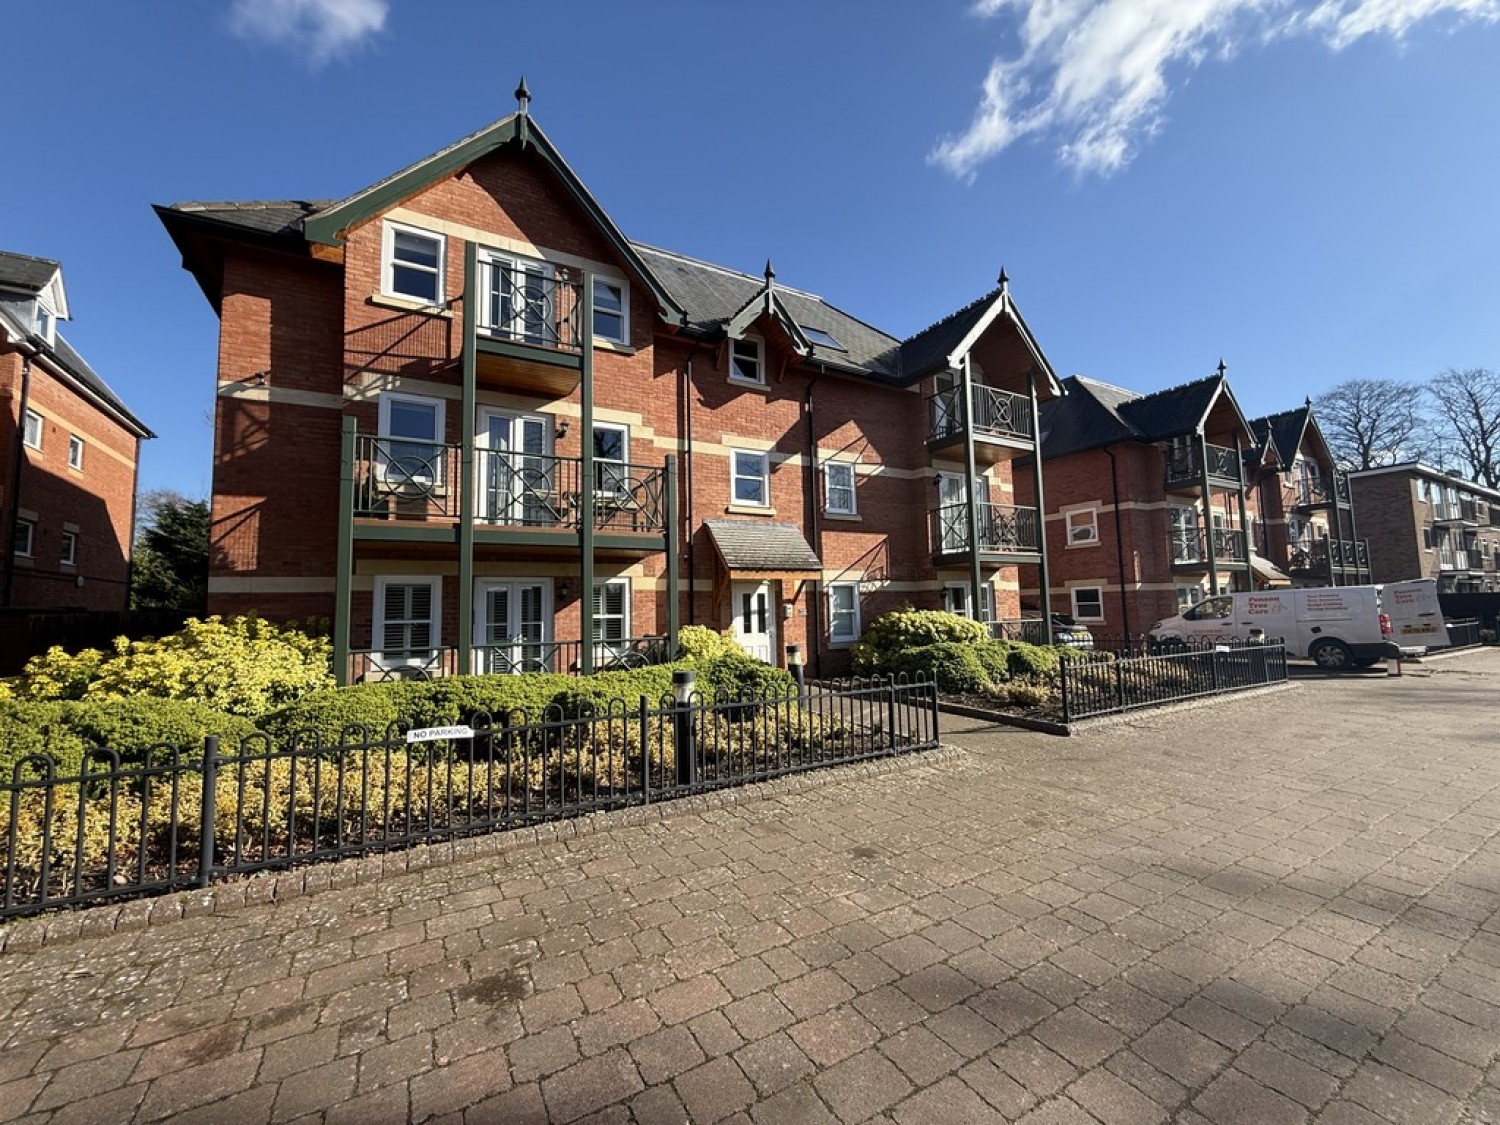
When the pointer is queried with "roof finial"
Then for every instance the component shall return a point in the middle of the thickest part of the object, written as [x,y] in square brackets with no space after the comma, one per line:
[1223,367]
[523,98]
[770,273]
[1004,280]
[1307,401]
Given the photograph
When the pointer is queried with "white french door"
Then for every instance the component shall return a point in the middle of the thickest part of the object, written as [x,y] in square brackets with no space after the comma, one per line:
[520,299]
[953,518]
[513,626]
[517,475]
[754,619]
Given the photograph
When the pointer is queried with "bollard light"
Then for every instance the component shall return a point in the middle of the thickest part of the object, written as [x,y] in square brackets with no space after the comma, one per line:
[683,684]
[795,667]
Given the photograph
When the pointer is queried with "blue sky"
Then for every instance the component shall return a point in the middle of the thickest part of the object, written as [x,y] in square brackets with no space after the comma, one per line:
[1305,187]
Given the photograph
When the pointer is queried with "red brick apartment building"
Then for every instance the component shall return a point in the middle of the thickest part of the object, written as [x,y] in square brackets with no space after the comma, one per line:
[1307,527]
[464,416]
[68,455]
[1148,500]
[1427,523]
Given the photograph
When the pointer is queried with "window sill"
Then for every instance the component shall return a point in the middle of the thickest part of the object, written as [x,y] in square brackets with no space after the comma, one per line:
[612,346]
[733,382]
[750,510]
[1076,546]
[407,304]
[844,517]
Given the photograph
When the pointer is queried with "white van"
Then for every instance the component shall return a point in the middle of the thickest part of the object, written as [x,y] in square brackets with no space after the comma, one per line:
[1335,626]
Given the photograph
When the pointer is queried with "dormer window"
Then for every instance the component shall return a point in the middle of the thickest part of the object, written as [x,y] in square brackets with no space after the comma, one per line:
[747,361]
[46,323]
[412,266]
[822,338]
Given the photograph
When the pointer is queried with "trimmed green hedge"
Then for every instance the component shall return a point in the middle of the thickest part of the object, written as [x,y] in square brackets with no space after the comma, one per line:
[128,726]
[908,629]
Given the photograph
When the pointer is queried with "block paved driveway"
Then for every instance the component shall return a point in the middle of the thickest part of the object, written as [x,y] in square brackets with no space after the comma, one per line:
[1271,911]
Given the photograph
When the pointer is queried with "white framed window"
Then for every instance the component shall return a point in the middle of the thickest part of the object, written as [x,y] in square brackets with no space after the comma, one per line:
[25,539]
[838,488]
[46,323]
[843,613]
[747,360]
[1188,596]
[1088,603]
[1083,528]
[750,478]
[611,311]
[611,456]
[411,445]
[413,263]
[75,452]
[407,617]
[69,548]
[611,611]
[1427,539]
[31,430]
[956,599]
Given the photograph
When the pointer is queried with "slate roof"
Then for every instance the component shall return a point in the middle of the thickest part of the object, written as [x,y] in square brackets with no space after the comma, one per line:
[65,354]
[22,271]
[1174,411]
[753,545]
[275,217]
[1283,432]
[1094,414]
[930,348]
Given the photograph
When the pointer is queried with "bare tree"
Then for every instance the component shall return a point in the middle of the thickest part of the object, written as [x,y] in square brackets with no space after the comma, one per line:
[1469,403]
[1371,422]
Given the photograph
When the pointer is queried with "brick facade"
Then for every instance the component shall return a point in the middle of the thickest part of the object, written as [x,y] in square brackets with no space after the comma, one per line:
[1424,523]
[308,341]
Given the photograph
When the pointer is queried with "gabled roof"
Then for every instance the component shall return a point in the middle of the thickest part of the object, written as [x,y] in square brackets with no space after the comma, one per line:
[73,364]
[1283,434]
[767,302]
[941,345]
[35,277]
[1094,414]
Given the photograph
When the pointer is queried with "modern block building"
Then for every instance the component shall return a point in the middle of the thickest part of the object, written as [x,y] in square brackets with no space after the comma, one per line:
[1423,522]
[465,416]
[69,450]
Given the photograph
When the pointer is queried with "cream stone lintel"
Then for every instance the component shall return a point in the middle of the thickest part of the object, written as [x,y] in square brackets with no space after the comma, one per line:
[92,443]
[230,584]
[501,242]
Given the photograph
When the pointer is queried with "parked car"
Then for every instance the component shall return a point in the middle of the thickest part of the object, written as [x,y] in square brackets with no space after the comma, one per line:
[1066,631]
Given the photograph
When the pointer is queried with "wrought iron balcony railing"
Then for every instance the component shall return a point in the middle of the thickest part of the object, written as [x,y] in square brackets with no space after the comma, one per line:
[517,657]
[1185,466]
[1003,529]
[526,303]
[402,479]
[1310,491]
[1027,629]
[997,413]
[1191,545]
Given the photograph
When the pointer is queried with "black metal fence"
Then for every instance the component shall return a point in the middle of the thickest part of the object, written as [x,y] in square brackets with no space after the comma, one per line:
[1102,683]
[172,818]
[1463,634]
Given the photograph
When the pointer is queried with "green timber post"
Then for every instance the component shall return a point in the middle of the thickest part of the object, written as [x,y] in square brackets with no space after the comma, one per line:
[586,485]
[466,461]
[971,491]
[674,581]
[1044,575]
[1239,459]
[1207,530]
[343,598]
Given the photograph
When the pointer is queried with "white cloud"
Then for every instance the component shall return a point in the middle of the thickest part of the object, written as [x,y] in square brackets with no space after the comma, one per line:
[1093,76]
[318,29]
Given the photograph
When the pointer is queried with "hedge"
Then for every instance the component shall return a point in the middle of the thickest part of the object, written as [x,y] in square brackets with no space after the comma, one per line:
[65,730]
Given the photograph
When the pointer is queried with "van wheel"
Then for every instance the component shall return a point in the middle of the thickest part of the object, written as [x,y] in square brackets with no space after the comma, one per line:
[1332,655]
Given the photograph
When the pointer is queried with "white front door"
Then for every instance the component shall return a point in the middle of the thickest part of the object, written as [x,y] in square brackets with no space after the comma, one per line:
[754,619]
[512,627]
[517,482]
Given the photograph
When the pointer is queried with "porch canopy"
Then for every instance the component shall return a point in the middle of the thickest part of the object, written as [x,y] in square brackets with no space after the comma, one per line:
[771,550]
[1268,573]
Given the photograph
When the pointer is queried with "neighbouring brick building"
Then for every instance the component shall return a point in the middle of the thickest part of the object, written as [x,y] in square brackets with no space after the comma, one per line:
[464,416]
[69,449]
[1306,527]
[1423,522]
[1148,499]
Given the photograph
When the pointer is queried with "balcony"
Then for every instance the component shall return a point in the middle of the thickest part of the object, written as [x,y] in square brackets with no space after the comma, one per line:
[1459,513]
[1002,423]
[374,666]
[415,483]
[1189,548]
[1185,467]
[1309,491]
[1450,560]
[1006,533]
[1324,557]
[529,334]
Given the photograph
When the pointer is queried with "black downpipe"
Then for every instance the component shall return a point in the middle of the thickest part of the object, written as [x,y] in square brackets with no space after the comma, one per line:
[815,602]
[13,502]
[1114,481]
